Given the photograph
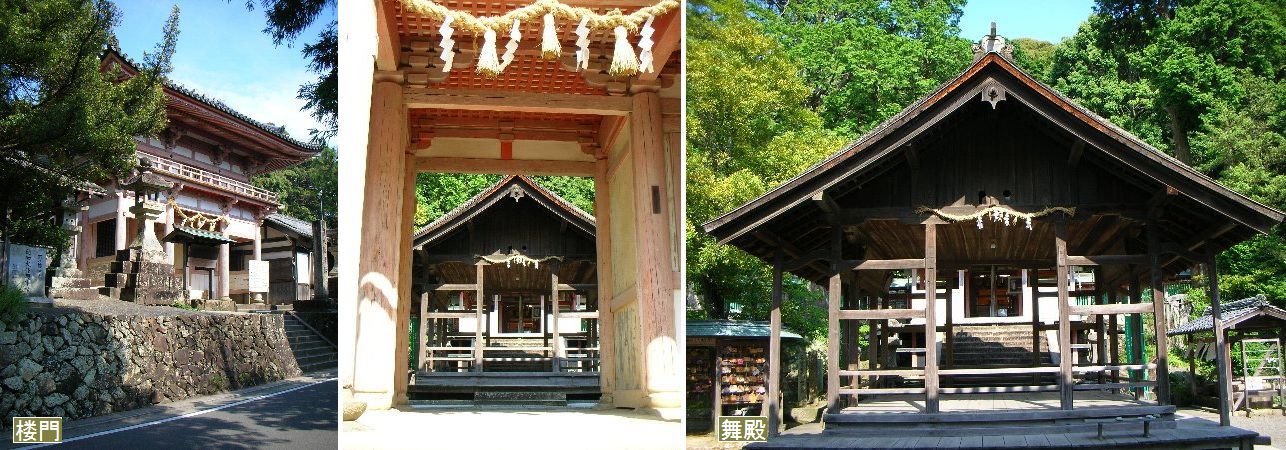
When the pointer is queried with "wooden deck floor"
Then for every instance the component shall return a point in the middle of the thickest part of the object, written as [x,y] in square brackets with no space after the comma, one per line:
[471,382]
[992,402]
[1190,433]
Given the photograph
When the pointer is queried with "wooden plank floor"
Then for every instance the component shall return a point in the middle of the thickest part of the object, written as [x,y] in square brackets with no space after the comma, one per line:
[991,402]
[1190,433]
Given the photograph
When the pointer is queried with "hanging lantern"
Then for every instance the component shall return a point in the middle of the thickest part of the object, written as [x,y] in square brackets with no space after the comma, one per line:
[624,62]
[549,46]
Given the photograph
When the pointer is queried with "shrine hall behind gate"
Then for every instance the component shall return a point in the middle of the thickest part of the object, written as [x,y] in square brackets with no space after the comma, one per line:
[1002,245]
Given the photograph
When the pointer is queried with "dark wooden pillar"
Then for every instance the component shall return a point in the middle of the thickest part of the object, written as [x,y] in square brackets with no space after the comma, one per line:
[478,316]
[1222,366]
[1158,317]
[951,332]
[1100,327]
[1064,324]
[1136,329]
[774,352]
[832,345]
[422,334]
[930,318]
[1114,334]
[556,354]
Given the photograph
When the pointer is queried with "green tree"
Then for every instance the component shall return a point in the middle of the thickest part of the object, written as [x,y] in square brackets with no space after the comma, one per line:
[866,60]
[1034,56]
[308,190]
[438,193]
[63,121]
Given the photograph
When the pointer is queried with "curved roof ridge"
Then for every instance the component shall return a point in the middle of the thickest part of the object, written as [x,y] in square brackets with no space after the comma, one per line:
[495,189]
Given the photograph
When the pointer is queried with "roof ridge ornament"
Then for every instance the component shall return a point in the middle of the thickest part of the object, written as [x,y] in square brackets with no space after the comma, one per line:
[993,43]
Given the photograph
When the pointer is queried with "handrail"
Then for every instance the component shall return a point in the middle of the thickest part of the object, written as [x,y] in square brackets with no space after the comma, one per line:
[207,178]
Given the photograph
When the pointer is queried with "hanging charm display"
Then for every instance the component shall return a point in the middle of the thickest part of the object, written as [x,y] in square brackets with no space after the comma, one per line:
[582,45]
[515,257]
[645,46]
[448,44]
[998,214]
[488,63]
[549,46]
[624,61]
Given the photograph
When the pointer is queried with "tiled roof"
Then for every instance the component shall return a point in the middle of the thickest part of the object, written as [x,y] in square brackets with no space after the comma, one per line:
[1231,312]
[299,226]
[734,329]
[219,105]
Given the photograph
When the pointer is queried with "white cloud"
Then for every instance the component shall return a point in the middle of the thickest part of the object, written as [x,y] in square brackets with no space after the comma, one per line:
[266,96]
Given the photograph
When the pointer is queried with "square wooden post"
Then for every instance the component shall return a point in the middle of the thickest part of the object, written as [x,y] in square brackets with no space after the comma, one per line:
[603,272]
[478,318]
[1064,324]
[1222,366]
[1158,317]
[832,345]
[1136,336]
[553,293]
[1113,332]
[774,352]
[1100,327]
[423,335]
[931,318]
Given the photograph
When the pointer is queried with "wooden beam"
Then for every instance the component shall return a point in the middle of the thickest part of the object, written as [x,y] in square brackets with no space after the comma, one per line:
[1158,315]
[451,287]
[1113,309]
[774,352]
[1064,325]
[505,166]
[1074,158]
[517,101]
[1223,368]
[881,314]
[832,345]
[885,264]
[387,42]
[931,404]
[1105,260]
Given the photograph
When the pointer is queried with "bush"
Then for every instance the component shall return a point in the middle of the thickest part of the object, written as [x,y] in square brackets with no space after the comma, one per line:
[182,305]
[13,303]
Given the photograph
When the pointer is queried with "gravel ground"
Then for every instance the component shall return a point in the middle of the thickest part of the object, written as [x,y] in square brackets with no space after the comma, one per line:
[1265,422]
[110,307]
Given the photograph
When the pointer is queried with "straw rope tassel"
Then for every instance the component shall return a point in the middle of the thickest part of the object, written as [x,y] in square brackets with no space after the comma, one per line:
[624,63]
[549,46]
[645,46]
[488,64]
[448,44]
[512,46]
[582,44]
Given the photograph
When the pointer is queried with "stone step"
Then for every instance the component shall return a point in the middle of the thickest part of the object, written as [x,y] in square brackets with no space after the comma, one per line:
[67,283]
[520,398]
[82,293]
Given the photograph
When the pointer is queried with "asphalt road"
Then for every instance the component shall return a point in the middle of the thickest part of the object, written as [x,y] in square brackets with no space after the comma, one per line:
[305,418]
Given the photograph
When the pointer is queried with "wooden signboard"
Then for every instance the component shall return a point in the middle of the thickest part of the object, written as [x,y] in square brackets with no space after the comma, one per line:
[258,275]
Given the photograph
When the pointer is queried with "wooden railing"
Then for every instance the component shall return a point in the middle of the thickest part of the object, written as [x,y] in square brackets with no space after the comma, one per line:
[207,178]
[466,358]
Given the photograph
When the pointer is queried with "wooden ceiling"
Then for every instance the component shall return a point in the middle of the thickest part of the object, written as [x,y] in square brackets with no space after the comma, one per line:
[426,124]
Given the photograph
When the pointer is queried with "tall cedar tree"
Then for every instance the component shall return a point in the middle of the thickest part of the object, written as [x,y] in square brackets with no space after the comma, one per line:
[64,121]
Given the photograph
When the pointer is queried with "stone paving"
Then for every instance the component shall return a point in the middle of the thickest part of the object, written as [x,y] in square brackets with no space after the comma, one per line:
[1269,423]
[529,428]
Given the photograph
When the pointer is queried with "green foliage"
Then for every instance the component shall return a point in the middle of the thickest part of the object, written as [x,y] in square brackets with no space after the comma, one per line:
[438,193]
[866,60]
[1034,56]
[308,190]
[182,305]
[13,303]
[64,122]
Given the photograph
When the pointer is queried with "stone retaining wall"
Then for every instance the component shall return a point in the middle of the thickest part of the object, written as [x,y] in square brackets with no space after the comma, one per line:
[77,364]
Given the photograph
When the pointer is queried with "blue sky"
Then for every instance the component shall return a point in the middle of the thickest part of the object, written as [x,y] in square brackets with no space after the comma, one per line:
[1047,20]
[223,53]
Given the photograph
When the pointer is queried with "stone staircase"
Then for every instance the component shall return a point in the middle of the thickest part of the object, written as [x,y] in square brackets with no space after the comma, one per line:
[312,353]
[70,284]
[520,355]
[989,346]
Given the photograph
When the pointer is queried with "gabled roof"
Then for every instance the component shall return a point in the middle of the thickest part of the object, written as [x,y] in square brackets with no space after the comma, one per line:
[734,329]
[292,150]
[511,187]
[196,235]
[289,224]
[1232,313]
[886,141]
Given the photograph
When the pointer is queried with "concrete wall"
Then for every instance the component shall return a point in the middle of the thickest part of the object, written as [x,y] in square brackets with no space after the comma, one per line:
[79,364]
